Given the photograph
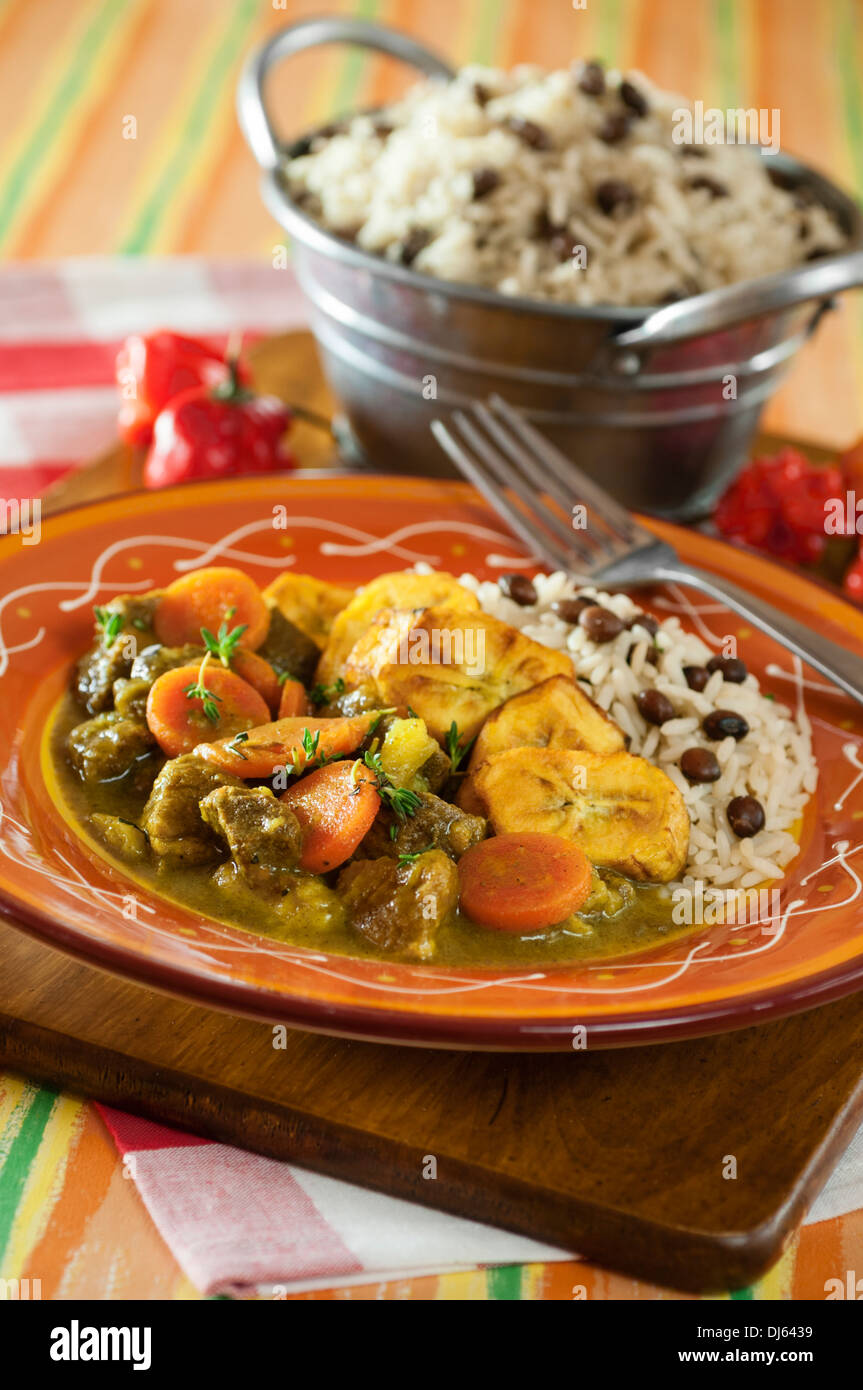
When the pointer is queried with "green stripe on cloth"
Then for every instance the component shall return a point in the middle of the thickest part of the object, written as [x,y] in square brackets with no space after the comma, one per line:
[848,41]
[22,1152]
[504,1282]
[71,86]
[484,45]
[742,1295]
[354,62]
[727,29]
[609,32]
[195,128]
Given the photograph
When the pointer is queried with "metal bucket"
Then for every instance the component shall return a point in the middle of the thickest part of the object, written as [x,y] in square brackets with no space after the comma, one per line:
[658,404]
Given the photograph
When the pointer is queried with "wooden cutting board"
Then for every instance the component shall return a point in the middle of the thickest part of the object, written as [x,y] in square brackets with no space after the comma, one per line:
[686,1164]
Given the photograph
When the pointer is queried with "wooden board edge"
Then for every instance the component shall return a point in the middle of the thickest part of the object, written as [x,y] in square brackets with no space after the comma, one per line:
[701,1263]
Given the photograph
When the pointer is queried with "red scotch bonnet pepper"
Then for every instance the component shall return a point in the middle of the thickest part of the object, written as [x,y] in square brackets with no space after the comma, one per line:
[154,368]
[788,506]
[777,505]
[217,432]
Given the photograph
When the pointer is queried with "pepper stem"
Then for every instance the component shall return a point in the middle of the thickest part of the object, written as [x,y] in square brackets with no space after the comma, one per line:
[311,417]
[232,389]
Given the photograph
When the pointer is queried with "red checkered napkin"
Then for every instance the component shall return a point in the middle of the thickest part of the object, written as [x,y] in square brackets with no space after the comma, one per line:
[239,1223]
[61,325]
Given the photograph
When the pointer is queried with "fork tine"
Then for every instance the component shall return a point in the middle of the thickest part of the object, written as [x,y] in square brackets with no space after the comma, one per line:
[593,548]
[496,459]
[615,517]
[508,475]
[539,546]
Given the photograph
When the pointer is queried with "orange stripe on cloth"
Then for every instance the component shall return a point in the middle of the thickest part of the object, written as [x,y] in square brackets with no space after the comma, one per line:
[99,135]
[100,1243]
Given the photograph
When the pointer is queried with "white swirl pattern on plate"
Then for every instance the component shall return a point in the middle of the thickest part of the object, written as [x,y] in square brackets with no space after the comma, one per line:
[217,942]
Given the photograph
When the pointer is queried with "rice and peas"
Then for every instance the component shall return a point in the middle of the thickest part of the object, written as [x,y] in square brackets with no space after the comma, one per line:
[571,186]
[773,762]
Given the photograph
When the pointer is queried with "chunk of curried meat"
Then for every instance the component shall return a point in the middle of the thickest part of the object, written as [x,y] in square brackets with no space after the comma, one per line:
[136,610]
[124,837]
[288,649]
[97,671]
[111,746]
[308,907]
[610,893]
[130,697]
[263,836]
[172,816]
[338,701]
[155,660]
[107,660]
[435,825]
[399,907]
[437,771]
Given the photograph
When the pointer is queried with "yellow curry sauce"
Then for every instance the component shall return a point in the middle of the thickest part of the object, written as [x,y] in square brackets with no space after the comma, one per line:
[642,923]
[341,769]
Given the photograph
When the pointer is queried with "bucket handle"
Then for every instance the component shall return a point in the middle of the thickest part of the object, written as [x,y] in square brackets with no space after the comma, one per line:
[252,110]
[719,309]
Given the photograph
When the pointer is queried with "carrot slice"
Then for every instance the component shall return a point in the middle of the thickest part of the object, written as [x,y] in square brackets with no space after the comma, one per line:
[335,807]
[293,700]
[260,674]
[272,746]
[179,721]
[523,882]
[208,598]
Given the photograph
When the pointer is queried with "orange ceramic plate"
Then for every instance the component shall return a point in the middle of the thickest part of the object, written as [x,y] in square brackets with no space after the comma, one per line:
[55,884]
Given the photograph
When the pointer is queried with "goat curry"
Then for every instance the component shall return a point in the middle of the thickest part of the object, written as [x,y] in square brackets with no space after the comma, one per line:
[386,772]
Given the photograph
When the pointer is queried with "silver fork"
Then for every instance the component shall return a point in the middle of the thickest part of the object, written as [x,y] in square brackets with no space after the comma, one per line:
[496,448]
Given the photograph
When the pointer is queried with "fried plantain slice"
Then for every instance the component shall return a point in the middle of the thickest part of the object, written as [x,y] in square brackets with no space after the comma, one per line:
[448,665]
[401,591]
[554,714]
[310,604]
[622,811]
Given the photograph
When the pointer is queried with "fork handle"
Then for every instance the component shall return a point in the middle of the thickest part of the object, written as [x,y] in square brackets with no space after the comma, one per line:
[833,661]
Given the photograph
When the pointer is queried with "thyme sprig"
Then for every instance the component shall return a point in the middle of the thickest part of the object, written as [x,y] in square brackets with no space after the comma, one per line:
[234,745]
[412,858]
[198,691]
[455,747]
[310,744]
[224,643]
[111,623]
[400,800]
[322,694]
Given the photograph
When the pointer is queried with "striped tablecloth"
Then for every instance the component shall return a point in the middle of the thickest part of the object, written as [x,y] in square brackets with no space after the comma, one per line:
[117,127]
[71,1218]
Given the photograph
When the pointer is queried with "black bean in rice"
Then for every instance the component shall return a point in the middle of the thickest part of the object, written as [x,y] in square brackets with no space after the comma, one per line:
[773,763]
